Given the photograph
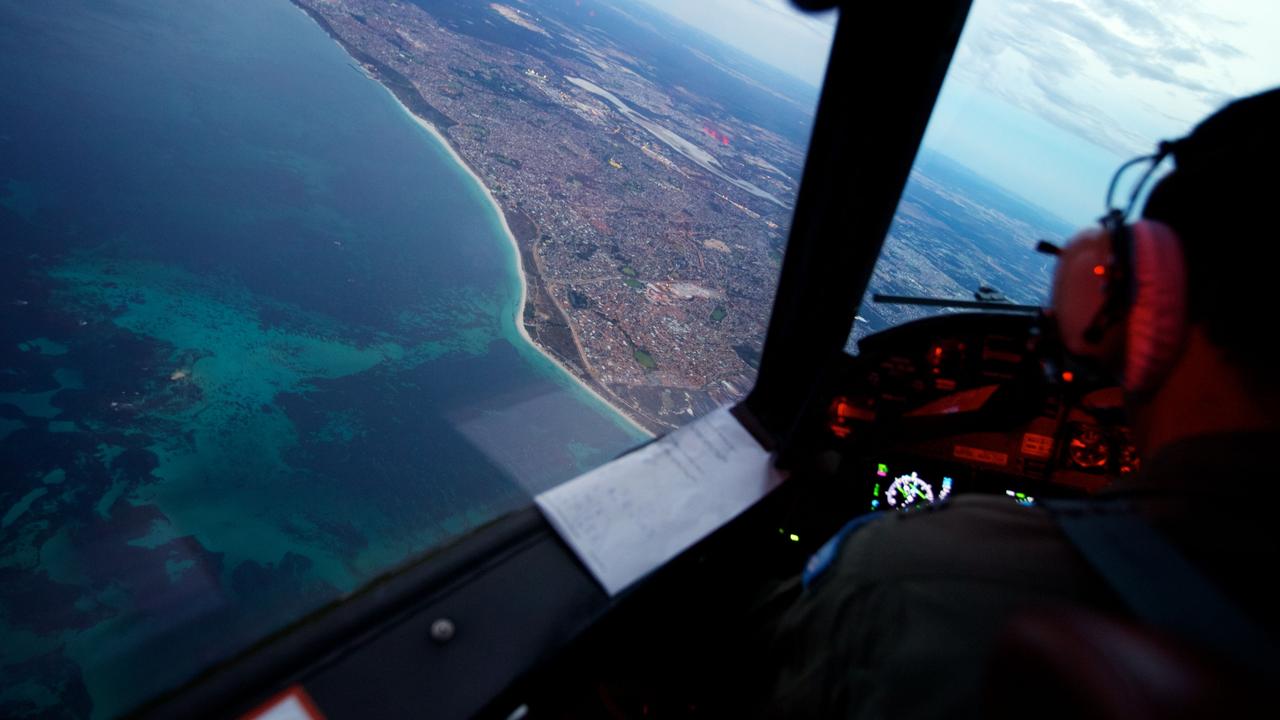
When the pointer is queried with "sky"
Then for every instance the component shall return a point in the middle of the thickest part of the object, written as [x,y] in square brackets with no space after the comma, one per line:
[769,30]
[1047,97]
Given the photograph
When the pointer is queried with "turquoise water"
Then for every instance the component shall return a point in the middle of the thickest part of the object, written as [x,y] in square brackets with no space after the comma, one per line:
[257,344]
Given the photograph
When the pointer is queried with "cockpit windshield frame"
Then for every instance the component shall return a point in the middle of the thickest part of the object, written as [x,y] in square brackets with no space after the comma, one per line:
[868,130]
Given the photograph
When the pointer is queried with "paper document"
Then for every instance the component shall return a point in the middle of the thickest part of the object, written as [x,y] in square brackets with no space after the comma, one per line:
[629,517]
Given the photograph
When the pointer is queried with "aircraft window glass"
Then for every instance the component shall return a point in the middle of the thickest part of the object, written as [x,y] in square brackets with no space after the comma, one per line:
[264,338]
[1041,104]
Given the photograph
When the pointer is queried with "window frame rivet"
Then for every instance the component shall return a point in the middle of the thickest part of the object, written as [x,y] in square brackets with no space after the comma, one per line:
[443,630]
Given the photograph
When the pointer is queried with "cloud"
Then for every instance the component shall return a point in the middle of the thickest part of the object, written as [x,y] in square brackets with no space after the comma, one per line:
[1122,54]
[1068,61]
[1136,17]
[1224,50]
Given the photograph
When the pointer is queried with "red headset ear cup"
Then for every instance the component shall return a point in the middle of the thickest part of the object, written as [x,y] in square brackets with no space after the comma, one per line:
[1078,289]
[1158,315]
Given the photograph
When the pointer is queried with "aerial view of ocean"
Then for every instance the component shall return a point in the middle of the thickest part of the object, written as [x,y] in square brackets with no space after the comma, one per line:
[259,343]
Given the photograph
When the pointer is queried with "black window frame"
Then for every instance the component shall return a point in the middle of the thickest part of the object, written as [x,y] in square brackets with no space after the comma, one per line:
[364,654]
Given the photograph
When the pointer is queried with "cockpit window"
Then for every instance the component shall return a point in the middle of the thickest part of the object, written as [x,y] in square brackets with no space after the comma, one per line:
[1042,103]
[292,293]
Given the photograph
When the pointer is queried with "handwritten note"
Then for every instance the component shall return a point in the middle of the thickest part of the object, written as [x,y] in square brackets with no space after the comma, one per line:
[629,517]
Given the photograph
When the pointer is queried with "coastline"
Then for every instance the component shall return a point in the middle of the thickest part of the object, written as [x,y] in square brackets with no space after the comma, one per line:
[588,385]
[520,268]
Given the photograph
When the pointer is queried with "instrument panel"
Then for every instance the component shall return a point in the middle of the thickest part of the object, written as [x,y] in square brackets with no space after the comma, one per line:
[902,485]
[973,403]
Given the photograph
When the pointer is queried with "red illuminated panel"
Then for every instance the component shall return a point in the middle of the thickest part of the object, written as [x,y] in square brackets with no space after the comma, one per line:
[1036,445]
[961,402]
[991,457]
[842,414]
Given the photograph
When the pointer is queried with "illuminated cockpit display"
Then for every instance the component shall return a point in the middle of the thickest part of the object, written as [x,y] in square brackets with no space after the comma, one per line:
[908,489]
[904,488]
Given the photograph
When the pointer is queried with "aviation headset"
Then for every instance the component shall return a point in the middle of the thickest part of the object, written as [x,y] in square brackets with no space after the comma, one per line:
[1138,275]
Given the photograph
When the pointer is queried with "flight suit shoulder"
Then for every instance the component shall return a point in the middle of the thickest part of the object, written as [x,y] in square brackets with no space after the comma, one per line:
[974,538]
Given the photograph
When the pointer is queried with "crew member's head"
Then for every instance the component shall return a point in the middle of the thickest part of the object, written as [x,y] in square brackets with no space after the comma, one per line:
[1186,312]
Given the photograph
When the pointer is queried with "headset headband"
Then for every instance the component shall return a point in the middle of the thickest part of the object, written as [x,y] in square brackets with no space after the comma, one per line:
[1119,270]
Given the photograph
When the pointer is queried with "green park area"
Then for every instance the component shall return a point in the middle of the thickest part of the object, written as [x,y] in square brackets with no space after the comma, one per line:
[645,359]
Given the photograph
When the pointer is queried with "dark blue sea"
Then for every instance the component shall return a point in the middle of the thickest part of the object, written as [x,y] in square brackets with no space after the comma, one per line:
[258,344]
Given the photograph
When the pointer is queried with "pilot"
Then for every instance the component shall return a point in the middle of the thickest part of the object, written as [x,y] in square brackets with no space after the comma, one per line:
[899,614]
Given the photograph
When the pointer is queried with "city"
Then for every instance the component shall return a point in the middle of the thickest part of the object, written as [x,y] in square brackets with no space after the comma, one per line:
[650,219]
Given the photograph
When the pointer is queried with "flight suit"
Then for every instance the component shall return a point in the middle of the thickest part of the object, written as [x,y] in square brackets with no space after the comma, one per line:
[902,622]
